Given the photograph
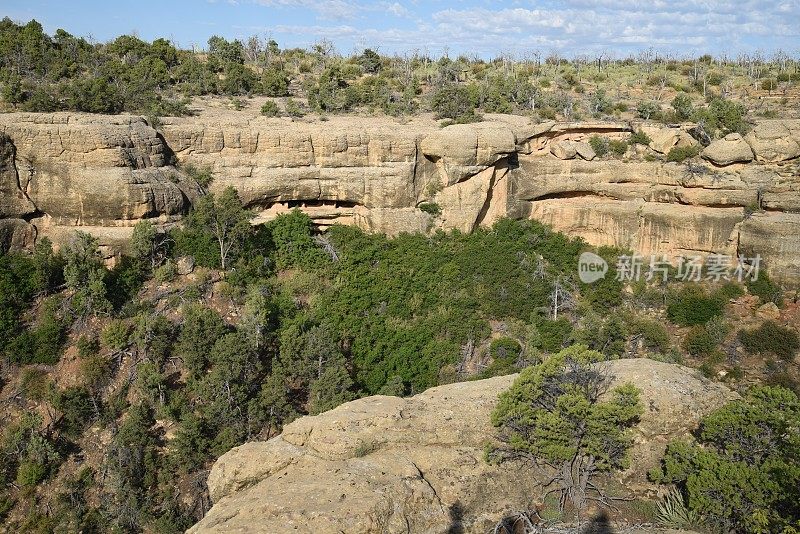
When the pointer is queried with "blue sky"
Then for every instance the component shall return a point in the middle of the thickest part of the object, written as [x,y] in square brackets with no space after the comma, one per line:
[475,27]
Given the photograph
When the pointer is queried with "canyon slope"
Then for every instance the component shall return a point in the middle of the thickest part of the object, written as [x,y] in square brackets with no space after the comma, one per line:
[389,464]
[101,174]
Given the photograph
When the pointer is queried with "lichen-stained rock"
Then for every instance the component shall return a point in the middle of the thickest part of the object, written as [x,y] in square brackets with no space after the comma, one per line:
[386,464]
[775,141]
[730,149]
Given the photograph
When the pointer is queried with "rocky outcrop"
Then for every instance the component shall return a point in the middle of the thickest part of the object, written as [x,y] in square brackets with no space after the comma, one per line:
[775,141]
[102,174]
[662,140]
[386,464]
[62,170]
[730,149]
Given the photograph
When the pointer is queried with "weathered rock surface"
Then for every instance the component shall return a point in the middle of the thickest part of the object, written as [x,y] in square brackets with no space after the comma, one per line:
[102,174]
[386,464]
[563,149]
[775,140]
[91,171]
[663,140]
[730,149]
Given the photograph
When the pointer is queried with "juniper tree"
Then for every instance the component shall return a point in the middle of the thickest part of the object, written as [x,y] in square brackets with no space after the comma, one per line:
[553,416]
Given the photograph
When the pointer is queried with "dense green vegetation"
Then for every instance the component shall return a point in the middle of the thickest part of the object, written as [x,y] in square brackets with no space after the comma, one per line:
[322,319]
[771,338]
[743,474]
[278,321]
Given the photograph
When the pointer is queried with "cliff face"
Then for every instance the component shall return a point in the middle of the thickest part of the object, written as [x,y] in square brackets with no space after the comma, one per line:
[103,174]
[386,464]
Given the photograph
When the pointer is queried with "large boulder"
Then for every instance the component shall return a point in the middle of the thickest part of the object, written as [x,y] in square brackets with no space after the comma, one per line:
[563,149]
[463,150]
[662,140]
[730,149]
[386,464]
[585,150]
[773,141]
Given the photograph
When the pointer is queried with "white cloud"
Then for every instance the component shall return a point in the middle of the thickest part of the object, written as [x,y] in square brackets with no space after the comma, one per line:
[570,26]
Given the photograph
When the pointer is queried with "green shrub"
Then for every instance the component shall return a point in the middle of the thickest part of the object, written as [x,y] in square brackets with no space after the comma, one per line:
[31,473]
[43,343]
[653,333]
[166,273]
[294,109]
[270,109]
[454,102]
[765,289]
[744,474]
[715,79]
[431,208]
[617,147]
[87,346]
[723,115]
[699,342]
[769,84]
[639,138]
[599,144]
[730,290]
[505,348]
[693,306]
[554,334]
[115,335]
[34,383]
[553,414]
[682,104]
[274,82]
[504,352]
[679,154]
[771,338]
[648,110]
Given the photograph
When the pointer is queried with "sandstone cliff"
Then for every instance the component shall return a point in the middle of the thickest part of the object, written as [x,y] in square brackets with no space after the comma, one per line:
[103,174]
[100,173]
[386,464]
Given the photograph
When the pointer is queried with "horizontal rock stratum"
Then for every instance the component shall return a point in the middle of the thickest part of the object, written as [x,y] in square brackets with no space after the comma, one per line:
[102,174]
[386,464]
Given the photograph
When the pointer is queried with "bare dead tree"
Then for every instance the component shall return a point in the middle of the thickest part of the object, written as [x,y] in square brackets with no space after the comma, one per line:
[325,243]
[560,299]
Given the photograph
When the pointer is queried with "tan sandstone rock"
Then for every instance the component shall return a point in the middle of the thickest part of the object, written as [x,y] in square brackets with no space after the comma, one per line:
[772,141]
[769,311]
[585,150]
[385,464]
[665,139]
[730,149]
[101,174]
[563,149]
